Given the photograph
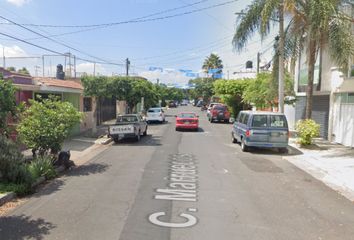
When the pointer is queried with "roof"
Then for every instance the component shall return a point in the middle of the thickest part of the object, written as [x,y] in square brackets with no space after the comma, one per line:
[262,112]
[59,83]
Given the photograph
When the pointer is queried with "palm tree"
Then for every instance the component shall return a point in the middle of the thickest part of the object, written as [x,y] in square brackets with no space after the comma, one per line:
[213,62]
[317,25]
[259,16]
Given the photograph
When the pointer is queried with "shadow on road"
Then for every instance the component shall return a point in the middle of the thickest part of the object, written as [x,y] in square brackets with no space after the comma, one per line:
[200,130]
[148,140]
[88,169]
[23,227]
[271,151]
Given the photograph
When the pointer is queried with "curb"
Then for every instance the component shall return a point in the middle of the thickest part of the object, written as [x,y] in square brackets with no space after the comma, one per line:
[6,197]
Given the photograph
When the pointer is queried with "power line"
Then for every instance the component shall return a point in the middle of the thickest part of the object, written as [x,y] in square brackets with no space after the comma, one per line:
[51,39]
[136,20]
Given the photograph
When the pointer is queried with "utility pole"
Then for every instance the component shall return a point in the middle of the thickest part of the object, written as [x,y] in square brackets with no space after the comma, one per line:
[127,65]
[74,66]
[281,58]
[3,57]
[258,61]
[94,69]
[36,68]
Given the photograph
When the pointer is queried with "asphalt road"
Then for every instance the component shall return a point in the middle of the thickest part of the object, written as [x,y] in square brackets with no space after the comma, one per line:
[181,186]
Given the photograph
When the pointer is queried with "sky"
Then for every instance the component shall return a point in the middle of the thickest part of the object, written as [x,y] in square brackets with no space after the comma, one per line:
[166,34]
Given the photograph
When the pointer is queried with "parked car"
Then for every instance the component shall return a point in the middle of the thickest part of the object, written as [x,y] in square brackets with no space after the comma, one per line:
[155,115]
[184,102]
[128,126]
[200,103]
[187,121]
[172,104]
[261,129]
[210,106]
[219,112]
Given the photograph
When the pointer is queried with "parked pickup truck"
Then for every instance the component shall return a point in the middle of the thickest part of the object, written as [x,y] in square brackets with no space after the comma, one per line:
[128,126]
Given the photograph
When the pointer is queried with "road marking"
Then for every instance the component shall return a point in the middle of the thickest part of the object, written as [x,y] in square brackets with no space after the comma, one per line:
[182,186]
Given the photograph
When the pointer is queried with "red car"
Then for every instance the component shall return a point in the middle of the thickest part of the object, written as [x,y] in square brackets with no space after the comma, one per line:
[187,121]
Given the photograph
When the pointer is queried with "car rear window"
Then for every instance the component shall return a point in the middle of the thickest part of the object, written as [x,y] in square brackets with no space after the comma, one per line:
[127,119]
[278,121]
[220,107]
[260,121]
[245,119]
[186,115]
[154,110]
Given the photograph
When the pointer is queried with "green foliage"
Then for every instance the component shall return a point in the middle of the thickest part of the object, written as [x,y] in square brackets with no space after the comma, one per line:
[12,69]
[7,103]
[231,93]
[12,166]
[19,188]
[307,130]
[213,62]
[130,89]
[203,88]
[45,125]
[42,166]
[23,71]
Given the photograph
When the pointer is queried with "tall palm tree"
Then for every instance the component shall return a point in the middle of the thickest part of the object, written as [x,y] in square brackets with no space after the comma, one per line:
[213,62]
[318,25]
[260,16]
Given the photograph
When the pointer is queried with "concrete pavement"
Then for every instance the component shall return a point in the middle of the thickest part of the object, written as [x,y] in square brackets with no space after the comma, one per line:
[333,164]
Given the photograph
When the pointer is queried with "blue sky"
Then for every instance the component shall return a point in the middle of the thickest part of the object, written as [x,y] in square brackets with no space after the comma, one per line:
[176,43]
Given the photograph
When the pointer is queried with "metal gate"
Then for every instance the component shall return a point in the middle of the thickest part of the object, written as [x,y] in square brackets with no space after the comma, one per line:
[106,109]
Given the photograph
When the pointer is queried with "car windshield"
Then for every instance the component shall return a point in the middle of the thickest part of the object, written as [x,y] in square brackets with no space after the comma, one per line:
[220,107]
[154,110]
[186,115]
[127,119]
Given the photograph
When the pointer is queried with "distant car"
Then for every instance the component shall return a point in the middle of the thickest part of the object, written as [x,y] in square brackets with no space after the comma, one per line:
[200,103]
[187,121]
[261,129]
[172,105]
[155,115]
[184,102]
[219,112]
[210,107]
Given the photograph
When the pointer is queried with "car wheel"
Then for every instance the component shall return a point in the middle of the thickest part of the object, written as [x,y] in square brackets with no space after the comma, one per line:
[137,137]
[145,132]
[116,140]
[227,120]
[177,129]
[233,139]
[244,147]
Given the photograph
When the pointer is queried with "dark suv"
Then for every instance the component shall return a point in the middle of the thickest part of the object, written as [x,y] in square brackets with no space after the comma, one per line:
[219,112]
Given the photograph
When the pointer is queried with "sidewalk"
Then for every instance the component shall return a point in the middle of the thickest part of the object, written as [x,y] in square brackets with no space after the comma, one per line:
[333,164]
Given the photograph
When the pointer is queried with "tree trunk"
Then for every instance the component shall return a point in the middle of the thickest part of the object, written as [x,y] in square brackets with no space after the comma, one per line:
[311,71]
[281,58]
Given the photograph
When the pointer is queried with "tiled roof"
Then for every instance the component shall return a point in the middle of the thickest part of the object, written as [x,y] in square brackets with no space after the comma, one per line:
[59,83]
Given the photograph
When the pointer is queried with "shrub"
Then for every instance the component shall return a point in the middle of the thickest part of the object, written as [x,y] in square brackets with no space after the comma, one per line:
[307,129]
[19,188]
[42,166]
[46,124]
[12,166]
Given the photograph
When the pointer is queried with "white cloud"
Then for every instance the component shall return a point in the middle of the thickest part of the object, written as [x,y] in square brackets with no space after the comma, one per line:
[166,77]
[18,3]
[13,51]
[89,68]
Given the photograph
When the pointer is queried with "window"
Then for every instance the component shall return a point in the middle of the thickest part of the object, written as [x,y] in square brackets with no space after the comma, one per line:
[259,121]
[127,119]
[245,119]
[278,121]
[347,98]
[239,117]
[87,104]
[154,110]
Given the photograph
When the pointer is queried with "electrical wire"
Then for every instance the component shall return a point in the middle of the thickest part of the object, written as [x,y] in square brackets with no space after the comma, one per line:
[135,20]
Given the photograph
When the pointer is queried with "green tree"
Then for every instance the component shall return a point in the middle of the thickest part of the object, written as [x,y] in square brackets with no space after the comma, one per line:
[12,69]
[203,87]
[7,103]
[213,62]
[46,124]
[24,71]
[231,92]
